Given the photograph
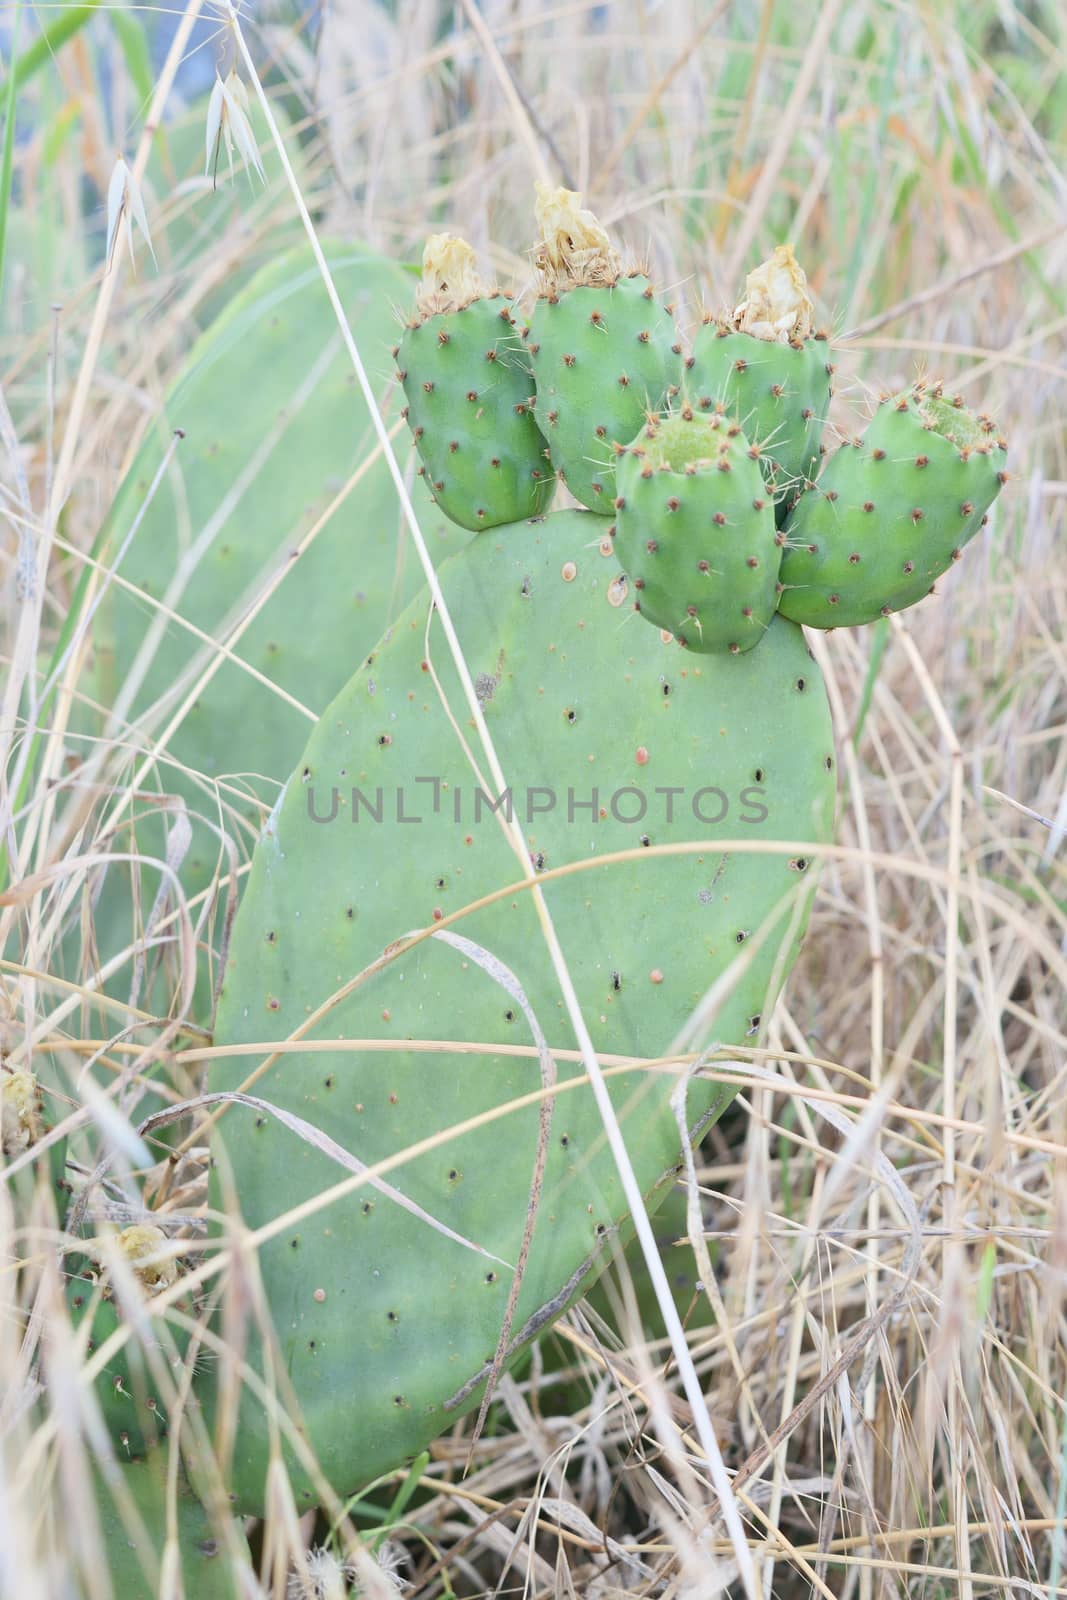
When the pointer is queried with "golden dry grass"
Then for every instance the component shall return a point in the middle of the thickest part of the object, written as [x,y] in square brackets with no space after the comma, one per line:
[885,1209]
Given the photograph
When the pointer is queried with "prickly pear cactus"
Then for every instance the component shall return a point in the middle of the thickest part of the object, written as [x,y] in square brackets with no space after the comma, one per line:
[363,1021]
[603,349]
[111,1281]
[891,511]
[389,1304]
[769,368]
[470,399]
[189,1555]
[695,531]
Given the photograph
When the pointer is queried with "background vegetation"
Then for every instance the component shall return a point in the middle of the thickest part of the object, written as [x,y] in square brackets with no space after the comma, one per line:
[914,153]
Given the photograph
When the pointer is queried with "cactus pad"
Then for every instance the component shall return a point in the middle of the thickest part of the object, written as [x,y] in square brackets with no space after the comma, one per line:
[890,512]
[273,428]
[203,1567]
[386,1325]
[695,532]
[470,396]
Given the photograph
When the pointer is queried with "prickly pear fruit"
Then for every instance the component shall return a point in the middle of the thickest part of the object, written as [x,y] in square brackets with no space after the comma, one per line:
[372,1302]
[134,1406]
[890,512]
[604,351]
[695,531]
[207,1560]
[470,395]
[770,370]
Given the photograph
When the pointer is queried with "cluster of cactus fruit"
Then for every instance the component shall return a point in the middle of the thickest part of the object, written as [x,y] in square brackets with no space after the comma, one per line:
[709,514]
[706,464]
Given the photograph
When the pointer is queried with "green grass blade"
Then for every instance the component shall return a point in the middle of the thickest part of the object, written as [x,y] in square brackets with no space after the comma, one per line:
[48,41]
[8,160]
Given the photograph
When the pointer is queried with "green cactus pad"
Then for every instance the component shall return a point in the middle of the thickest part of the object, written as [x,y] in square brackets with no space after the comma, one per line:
[469,395]
[780,394]
[890,512]
[127,1389]
[385,1327]
[695,532]
[274,426]
[207,1569]
[603,357]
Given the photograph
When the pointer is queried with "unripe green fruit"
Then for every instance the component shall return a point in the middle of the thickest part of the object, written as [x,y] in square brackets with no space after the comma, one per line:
[603,356]
[470,396]
[695,532]
[890,512]
[779,393]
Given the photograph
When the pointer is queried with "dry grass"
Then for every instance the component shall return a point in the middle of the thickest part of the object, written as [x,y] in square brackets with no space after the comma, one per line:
[891,1187]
